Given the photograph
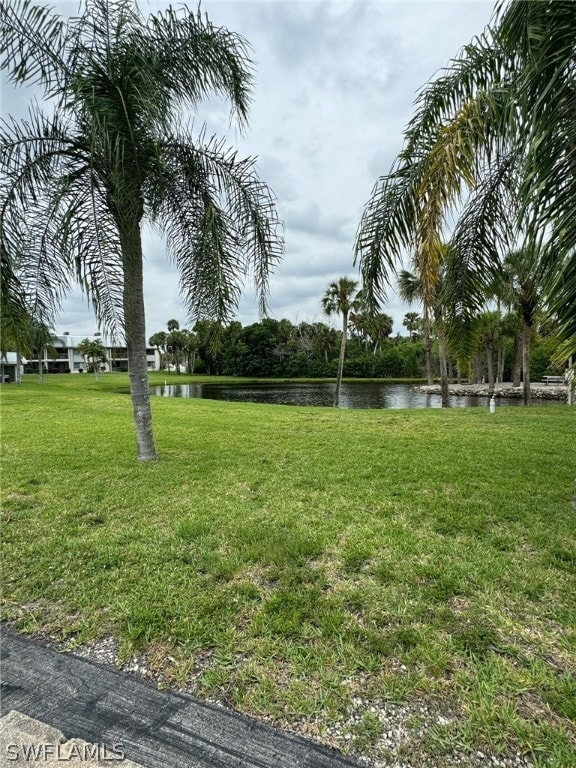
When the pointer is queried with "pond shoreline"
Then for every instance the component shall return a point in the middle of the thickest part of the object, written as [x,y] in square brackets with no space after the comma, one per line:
[539,390]
[356,394]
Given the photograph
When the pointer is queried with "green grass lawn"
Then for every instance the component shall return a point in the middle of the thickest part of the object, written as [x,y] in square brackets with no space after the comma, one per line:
[305,564]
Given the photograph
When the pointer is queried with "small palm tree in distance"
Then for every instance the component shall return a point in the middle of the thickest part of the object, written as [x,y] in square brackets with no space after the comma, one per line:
[341,298]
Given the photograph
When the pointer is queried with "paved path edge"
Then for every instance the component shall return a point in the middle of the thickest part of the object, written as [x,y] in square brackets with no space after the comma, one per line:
[157,729]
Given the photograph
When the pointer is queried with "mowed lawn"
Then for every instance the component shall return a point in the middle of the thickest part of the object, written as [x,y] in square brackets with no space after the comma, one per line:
[309,565]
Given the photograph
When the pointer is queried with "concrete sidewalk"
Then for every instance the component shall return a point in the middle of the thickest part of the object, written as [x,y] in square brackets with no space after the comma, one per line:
[58,709]
[24,740]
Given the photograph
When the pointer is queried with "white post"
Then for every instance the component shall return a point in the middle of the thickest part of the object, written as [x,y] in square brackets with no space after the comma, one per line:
[492,404]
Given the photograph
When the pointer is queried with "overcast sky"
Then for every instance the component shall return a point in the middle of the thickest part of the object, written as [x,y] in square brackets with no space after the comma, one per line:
[335,86]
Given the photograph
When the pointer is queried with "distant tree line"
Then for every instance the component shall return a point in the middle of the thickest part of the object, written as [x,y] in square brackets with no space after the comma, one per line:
[279,348]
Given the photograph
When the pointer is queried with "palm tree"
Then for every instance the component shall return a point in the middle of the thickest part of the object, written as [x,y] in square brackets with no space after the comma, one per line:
[410,291]
[189,349]
[158,340]
[341,298]
[94,354]
[115,154]
[413,323]
[450,288]
[323,339]
[512,330]
[359,326]
[209,337]
[175,342]
[487,329]
[524,274]
[39,339]
[371,327]
[494,134]
[380,328]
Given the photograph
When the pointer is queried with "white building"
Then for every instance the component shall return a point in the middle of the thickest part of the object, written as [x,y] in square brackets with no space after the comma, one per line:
[9,367]
[68,359]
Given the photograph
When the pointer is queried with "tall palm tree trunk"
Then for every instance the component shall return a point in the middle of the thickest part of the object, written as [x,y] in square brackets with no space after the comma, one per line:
[134,323]
[526,337]
[490,367]
[341,359]
[501,363]
[443,354]
[444,389]
[41,366]
[476,369]
[518,354]
[427,346]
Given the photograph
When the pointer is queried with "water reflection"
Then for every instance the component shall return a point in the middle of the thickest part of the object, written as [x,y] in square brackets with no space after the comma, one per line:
[352,395]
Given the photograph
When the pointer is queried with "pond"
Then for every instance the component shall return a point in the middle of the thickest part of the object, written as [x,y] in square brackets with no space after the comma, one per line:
[352,395]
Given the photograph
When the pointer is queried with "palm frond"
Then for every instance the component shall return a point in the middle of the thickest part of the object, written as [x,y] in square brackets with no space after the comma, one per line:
[386,230]
[88,236]
[487,227]
[194,59]
[561,293]
[221,224]
[55,219]
[409,287]
[34,154]
[13,310]
[33,44]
